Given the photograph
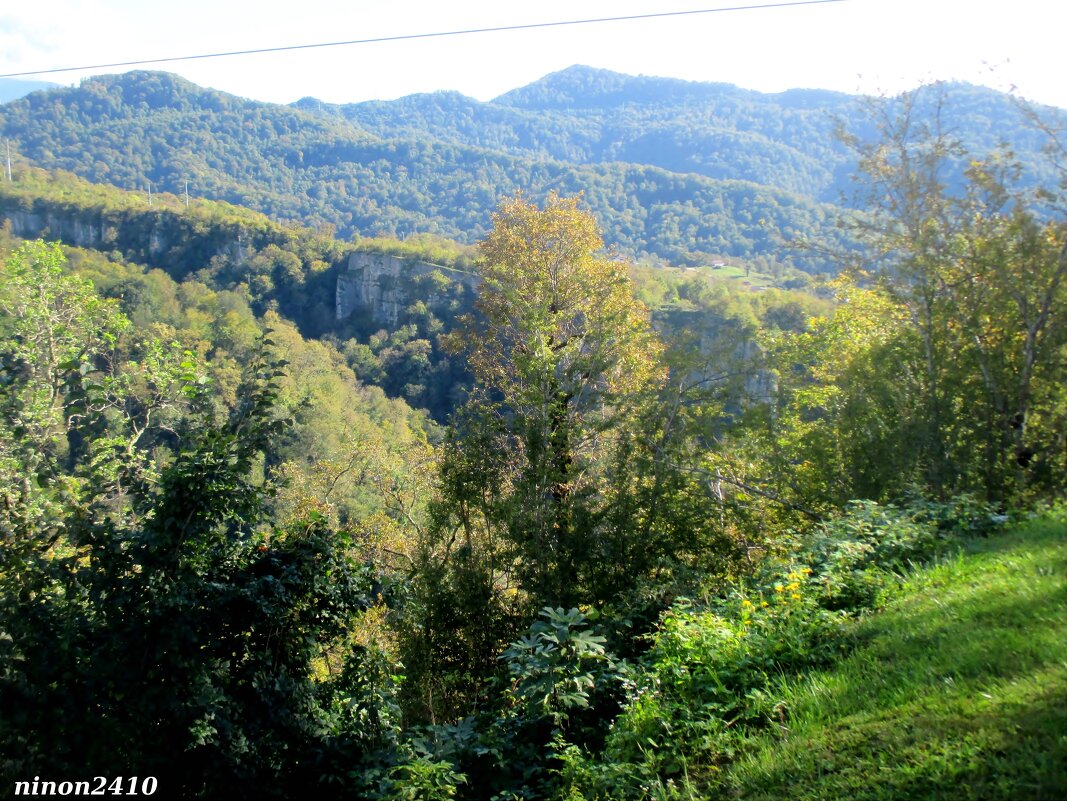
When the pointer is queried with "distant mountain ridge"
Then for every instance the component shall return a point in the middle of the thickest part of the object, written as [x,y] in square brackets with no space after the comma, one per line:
[678,170]
[14,88]
[584,115]
[581,87]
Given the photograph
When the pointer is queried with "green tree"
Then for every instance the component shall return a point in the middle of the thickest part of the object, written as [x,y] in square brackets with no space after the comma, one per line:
[84,396]
[562,357]
[942,365]
[537,492]
[841,426]
[977,263]
[152,602]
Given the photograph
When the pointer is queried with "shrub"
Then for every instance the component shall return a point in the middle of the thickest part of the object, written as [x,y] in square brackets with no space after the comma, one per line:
[714,669]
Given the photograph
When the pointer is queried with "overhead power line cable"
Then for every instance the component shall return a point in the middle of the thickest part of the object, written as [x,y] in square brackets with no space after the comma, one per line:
[409,36]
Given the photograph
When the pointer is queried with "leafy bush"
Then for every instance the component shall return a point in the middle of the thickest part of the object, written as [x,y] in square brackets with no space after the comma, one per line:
[422,778]
[558,665]
[711,672]
[853,555]
[714,669]
[561,686]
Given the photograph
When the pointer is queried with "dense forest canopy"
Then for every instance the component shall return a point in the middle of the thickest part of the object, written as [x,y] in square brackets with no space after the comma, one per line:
[683,172]
[296,271]
[567,528]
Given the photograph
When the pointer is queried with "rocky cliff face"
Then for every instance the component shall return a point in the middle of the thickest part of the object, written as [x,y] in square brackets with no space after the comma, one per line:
[155,239]
[379,285]
[384,285]
[86,230]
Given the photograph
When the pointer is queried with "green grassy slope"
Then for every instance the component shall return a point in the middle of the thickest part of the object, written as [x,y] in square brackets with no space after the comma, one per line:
[959,690]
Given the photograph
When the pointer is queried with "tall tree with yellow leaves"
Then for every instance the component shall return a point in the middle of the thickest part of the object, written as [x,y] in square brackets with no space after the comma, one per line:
[563,354]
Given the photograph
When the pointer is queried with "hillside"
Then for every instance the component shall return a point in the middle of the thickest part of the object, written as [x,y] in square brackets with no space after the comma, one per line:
[587,116]
[390,335]
[682,172]
[287,269]
[583,115]
[896,655]
[322,170]
[678,171]
[959,689]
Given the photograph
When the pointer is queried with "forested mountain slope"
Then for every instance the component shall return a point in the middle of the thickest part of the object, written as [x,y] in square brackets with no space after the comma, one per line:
[787,140]
[145,127]
[585,116]
[685,172]
[271,267]
[297,271]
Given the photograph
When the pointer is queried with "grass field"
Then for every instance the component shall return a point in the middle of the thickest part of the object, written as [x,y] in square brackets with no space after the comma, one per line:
[752,280]
[958,689]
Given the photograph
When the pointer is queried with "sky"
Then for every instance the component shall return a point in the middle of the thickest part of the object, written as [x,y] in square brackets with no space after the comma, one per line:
[868,46]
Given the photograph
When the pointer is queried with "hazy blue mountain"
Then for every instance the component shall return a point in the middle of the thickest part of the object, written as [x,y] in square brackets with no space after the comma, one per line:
[586,116]
[583,115]
[14,88]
